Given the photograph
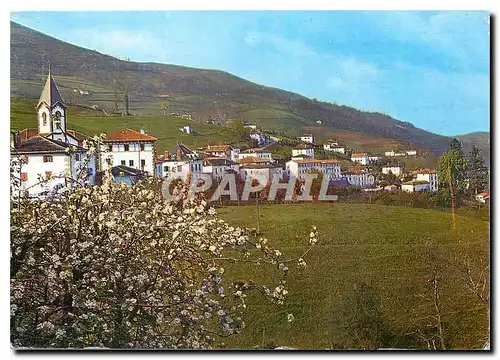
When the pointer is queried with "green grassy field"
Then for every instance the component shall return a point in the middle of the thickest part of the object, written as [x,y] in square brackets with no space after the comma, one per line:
[390,249]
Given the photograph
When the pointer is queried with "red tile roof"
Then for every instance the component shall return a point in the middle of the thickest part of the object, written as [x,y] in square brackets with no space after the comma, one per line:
[129,135]
[252,159]
[359,155]
[484,194]
[316,161]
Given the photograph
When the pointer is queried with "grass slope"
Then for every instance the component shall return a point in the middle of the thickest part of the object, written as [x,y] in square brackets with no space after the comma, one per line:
[381,246]
[165,128]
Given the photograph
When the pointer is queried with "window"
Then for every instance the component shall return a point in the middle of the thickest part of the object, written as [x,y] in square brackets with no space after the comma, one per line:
[44,119]
[48,158]
[110,147]
[179,168]
[126,147]
[143,163]
[123,162]
[48,175]
[131,163]
[147,147]
[77,157]
[24,176]
[90,171]
[142,147]
[165,168]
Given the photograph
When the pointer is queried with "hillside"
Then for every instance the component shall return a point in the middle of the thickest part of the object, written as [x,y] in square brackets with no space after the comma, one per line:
[480,139]
[202,93]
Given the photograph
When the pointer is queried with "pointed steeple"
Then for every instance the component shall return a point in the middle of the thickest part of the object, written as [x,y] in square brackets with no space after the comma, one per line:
[50,94]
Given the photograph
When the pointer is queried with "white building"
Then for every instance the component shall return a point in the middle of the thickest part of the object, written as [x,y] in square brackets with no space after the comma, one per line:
[218,167]
[395,170]
[308,138]
[257,153]
[390,153]
[361,158]
[415,186]
[411,152]
[431,177]
[359,177]
[300,167]
[51,152]
[261,139]
[219,151]
[179,163]
[334,146]
[131,148]
[250,126]
[391,188]
[303,149]
[373,158]
[259,169]
[483,197]
[187,129]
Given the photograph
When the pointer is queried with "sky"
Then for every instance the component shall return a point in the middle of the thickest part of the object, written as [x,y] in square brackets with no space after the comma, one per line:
[429,68]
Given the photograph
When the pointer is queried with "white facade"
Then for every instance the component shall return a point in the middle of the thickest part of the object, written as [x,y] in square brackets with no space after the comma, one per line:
[261,139]
[179,169]
[57,168]
[411,152]
[334,147]
[187,129]
[134,154]
[396,170]
[360,179]
[431,178]
[261,171]
[307,138]
[390,153]
[299,168]
[363,159]
[373,158]
[265,155]
[414,186]
[235,154]
[218,169]
[309,151]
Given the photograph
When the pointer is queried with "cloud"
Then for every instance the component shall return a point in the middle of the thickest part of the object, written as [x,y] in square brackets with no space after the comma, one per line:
[279,43]
[458,34]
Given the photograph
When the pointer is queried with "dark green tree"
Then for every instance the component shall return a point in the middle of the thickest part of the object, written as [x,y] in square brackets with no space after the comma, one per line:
[450,169]
[478,173]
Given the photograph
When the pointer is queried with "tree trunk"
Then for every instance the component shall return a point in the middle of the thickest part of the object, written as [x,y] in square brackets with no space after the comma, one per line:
[258,213]
[438,312]
[453,214]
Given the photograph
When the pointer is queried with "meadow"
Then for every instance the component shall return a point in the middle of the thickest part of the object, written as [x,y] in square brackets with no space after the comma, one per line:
[391,251]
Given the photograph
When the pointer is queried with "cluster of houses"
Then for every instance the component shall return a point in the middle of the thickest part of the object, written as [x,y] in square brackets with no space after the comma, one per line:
[132,153]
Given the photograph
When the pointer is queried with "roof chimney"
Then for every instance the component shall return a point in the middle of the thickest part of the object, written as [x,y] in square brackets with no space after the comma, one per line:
[167,155]
[179,154]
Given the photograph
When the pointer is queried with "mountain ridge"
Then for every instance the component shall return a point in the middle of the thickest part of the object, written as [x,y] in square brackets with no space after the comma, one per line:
[205,94]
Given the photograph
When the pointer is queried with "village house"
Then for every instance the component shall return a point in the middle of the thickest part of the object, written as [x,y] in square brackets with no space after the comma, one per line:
[303,149]
[250,126]
[391,188]
[300,167]
[261,139]
[373,158]
[51,152]
[359,176]
[334,146]
[483,197]
[411,152]
[259,168]
[307,138]
[217,167]
[395,170]
[361,158]
[258,153]
[225,151]
[415,186]
[131,148]
[187,129]
[431,176]
[390,153]
[179,163]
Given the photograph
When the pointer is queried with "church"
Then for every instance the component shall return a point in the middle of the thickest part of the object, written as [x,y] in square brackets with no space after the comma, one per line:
[46,149]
